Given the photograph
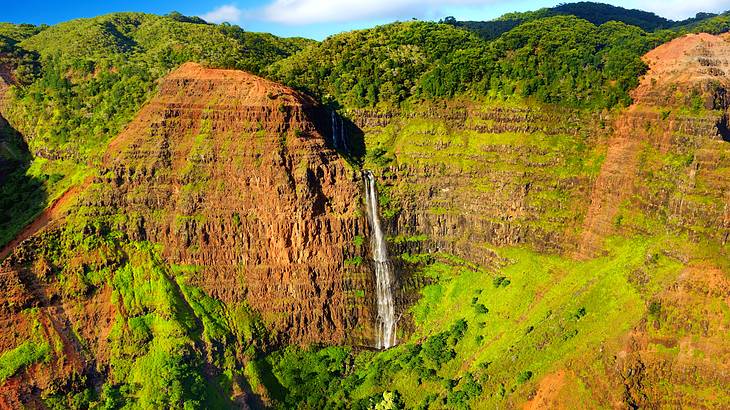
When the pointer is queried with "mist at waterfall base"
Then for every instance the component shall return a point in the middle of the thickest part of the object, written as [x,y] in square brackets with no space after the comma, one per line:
[386,324]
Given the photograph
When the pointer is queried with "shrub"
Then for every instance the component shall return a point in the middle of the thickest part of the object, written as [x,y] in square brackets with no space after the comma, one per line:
[354,261]
[437,350]
[481,309]
[655,307]
[500,281]
[524,376]
[358,240]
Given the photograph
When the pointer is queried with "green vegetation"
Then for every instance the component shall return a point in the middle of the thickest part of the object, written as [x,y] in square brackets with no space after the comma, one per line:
[380,65]
[22,196]
[82,81]
[170,346]
[494,160]
[479,336]
[97,72]
[460,357]
[26,354]
[158,346]
[596,13]
[582,55]
[557,59]
[569,61]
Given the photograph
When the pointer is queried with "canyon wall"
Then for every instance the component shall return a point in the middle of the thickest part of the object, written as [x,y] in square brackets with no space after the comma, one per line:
[233,181]
[232,173]
[474,176]
[467,180]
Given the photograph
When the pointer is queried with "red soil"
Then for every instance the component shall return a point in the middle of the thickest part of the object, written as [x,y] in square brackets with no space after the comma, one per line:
[50,214]
[548,392]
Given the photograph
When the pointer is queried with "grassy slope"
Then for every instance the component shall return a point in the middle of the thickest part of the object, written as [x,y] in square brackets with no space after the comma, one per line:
[169,344]
[495,162]
[552,312]
[544,314]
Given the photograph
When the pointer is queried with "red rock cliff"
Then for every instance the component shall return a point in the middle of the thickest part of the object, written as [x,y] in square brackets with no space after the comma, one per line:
[231,173]
[232,176]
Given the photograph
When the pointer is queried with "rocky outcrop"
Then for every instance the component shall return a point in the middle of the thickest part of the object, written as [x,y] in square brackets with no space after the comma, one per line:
[489,177]
[470,177]
[681,342]
[231,173]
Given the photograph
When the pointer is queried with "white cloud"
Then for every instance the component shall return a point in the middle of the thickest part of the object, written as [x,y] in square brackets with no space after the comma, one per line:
[295,12]
[329,11]
[681,9]
[227,12]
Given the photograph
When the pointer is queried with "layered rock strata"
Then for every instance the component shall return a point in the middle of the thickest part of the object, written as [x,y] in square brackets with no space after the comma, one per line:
[232,173]
[231,177]
[667,156]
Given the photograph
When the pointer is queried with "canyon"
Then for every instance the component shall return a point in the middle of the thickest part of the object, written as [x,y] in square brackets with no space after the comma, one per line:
[235,216]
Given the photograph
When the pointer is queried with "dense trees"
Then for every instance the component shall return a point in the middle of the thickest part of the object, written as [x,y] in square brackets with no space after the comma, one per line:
[596,13]
[570,61]
[558,59]
[381,65]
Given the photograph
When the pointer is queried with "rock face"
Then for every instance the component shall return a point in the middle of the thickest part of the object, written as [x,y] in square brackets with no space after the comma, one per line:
[231,173]
[489,176]
[470,177]
[690,70]
[567,181]
[232,176]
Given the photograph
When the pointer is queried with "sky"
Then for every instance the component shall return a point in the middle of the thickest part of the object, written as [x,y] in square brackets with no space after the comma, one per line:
[318,19]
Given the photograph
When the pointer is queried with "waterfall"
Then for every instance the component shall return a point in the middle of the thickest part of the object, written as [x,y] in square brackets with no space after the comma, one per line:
[383,269]
[338,133]
[333,116]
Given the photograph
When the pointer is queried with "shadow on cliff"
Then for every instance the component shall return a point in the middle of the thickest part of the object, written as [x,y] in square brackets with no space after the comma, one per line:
[270,382]
[354,138]
[723,128]
[356,142]
[22,197]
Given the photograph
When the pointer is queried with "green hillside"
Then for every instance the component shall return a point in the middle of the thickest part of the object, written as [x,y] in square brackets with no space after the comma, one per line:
[596,13]
[561,59]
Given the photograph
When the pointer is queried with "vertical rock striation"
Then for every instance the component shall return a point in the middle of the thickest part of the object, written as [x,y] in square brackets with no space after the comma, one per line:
[679,110]
[231,173]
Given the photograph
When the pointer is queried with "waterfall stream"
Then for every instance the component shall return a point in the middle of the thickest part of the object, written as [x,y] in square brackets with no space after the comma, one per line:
[338,133]
[383,269]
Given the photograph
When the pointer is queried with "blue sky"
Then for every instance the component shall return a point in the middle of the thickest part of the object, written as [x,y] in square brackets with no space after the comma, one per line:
[320,18]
